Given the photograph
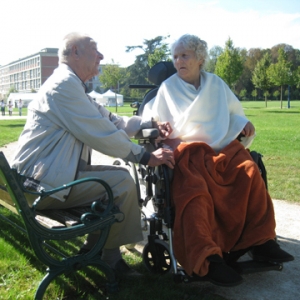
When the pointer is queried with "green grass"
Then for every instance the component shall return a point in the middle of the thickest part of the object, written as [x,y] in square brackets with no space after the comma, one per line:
[21,273]
[278,139]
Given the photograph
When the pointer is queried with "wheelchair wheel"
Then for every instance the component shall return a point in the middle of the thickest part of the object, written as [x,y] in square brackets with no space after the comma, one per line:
[158,259]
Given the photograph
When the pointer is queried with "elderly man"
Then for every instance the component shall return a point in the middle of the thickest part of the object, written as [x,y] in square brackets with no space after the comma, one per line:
[62,127]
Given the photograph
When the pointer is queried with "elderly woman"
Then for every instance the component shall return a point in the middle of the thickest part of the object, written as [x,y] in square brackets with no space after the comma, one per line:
[222,207]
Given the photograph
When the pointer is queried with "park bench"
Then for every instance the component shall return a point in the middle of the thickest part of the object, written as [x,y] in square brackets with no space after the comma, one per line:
[44,227]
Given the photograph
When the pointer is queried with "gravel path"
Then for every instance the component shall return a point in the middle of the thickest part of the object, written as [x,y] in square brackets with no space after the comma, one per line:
[272,285]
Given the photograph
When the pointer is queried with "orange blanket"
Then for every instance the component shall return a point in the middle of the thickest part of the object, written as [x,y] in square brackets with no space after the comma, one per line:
[221,204]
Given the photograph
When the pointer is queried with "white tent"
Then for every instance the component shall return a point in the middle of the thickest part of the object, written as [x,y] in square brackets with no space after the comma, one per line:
[96,96]
[109,98]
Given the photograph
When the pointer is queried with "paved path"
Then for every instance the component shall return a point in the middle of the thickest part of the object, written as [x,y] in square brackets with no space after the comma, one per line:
[284,285]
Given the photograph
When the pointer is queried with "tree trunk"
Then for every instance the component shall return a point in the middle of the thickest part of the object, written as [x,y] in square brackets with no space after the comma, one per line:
[281,98]
[266,102]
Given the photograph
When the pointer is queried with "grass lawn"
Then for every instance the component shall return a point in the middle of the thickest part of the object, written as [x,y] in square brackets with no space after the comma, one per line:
[278,139]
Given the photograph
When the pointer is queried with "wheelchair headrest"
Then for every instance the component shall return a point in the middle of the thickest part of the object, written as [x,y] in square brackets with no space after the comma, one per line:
[161,71]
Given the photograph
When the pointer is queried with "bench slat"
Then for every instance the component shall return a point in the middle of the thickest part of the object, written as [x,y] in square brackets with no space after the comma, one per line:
[8,206]
[49,218]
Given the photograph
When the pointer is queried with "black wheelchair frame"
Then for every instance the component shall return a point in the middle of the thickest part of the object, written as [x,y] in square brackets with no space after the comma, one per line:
[158,255]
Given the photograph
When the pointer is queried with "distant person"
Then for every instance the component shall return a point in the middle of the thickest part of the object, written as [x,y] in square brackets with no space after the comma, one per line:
[2,107]
[63,125]
[20,105]
[10,108]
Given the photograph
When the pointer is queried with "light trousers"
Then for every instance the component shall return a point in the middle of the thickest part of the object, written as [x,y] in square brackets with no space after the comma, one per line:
[125,197]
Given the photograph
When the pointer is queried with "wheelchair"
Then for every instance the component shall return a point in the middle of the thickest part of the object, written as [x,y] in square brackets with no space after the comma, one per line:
[153,186]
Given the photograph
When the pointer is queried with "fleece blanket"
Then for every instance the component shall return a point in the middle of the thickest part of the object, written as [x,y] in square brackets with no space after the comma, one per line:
[221,204]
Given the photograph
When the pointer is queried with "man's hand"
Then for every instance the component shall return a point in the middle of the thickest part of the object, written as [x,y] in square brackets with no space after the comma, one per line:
[162,156]
[248,130]
[164,128]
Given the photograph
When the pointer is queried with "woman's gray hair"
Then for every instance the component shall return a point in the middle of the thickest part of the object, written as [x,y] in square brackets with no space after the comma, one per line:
[192,42]
[71,39]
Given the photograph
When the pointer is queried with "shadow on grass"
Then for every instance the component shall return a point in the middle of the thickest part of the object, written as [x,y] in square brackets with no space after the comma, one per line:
[90,283]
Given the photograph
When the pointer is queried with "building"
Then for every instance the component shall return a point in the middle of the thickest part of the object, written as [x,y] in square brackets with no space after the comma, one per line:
[28,73]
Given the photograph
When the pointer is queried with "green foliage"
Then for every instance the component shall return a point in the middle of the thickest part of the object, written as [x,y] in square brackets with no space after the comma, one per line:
[280,73]
[243,94]
[161,53]
[12,89]
[297,77]
[260,76]
[254,94]
[112,75]
[139,70]
[213,55]
[229,65]
[276,94]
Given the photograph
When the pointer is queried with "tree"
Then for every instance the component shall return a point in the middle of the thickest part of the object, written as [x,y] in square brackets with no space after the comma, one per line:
[112,74]
[297,77]
[254,94]
[213,55]
[139,70]
[161,53]
[280,73]
[12,89]
[266,93]
[260,77]
[243,93]
[250,58]
[276,94]
[229,64]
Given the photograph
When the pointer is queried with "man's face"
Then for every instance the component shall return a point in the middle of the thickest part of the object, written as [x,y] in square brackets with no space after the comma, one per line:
[90,59]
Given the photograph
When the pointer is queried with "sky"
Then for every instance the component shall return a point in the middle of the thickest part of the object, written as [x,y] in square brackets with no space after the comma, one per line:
[27,26]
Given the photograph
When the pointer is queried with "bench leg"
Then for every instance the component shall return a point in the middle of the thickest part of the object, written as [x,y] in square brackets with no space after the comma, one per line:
[111,286]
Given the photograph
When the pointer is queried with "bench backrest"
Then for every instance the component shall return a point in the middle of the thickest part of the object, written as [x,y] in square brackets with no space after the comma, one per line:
[9,179]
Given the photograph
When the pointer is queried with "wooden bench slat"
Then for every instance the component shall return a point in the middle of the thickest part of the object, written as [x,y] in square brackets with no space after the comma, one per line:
[7,205]
[49,218]
[47,222]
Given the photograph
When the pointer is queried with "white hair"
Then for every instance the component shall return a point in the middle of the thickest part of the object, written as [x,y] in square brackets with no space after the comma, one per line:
[194,43]
[71,39]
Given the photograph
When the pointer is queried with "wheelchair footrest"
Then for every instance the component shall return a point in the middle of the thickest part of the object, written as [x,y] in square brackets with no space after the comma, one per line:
[242,267]
[252,266]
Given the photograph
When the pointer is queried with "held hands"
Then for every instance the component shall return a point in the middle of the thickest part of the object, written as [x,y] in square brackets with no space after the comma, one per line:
[164,128]
[162,156]
[248,130]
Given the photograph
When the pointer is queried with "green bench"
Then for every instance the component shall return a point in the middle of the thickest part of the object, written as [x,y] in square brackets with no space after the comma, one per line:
[44,227]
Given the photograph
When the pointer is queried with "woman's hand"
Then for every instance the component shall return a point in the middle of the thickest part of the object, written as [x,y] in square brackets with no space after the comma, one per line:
[248,130]
[164,128]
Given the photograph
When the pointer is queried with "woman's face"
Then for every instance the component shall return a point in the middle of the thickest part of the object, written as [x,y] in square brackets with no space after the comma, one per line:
[187,65]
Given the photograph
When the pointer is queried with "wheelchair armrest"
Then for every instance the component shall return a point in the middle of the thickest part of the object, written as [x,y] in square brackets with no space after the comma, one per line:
[151,133]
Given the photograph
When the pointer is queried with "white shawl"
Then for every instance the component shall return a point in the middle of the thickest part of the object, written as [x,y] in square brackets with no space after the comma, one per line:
[210,114]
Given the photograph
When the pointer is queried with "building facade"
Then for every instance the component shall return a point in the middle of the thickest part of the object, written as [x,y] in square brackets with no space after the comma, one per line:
[29,73]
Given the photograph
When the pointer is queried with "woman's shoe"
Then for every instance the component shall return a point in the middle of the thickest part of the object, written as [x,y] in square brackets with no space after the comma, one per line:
[220,273]
[270,251]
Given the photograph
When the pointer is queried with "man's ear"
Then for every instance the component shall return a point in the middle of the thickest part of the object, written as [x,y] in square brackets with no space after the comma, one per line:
[74,50]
